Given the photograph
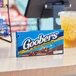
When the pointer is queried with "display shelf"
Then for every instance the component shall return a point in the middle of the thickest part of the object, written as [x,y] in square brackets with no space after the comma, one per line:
[40,65]
[10,34]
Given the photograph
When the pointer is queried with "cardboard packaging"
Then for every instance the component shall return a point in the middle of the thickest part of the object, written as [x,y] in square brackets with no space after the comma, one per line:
[39,43]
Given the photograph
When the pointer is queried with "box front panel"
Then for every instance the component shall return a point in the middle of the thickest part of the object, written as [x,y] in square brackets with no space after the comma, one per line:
[39,43]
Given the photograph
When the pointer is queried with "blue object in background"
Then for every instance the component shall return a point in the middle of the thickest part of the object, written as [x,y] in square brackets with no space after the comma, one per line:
[32,24]
[45,23]
[3,28]
[22,5]
[58,21]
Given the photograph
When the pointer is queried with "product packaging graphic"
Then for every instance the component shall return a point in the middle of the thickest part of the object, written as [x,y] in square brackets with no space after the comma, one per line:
[3,28]
[2,3]
[39,43]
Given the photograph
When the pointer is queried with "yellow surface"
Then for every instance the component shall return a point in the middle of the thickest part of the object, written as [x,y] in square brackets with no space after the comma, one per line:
[4,3]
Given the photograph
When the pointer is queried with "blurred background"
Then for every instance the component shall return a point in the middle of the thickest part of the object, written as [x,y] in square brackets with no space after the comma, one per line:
[19,22]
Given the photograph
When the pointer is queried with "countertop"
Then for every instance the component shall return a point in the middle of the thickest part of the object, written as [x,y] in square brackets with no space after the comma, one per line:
[9,62]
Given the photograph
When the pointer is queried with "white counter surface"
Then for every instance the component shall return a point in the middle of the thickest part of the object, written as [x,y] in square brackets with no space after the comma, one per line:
[8,61]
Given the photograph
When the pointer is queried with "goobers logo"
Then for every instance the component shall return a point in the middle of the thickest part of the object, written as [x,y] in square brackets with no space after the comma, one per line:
[29,43]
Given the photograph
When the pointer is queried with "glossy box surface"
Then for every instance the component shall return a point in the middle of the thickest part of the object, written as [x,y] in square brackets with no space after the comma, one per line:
[39,43]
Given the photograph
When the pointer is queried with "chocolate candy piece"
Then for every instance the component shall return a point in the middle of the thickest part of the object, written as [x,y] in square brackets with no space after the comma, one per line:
[56,44]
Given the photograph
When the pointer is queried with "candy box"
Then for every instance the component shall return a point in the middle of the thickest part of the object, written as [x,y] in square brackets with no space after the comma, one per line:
[39,43]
